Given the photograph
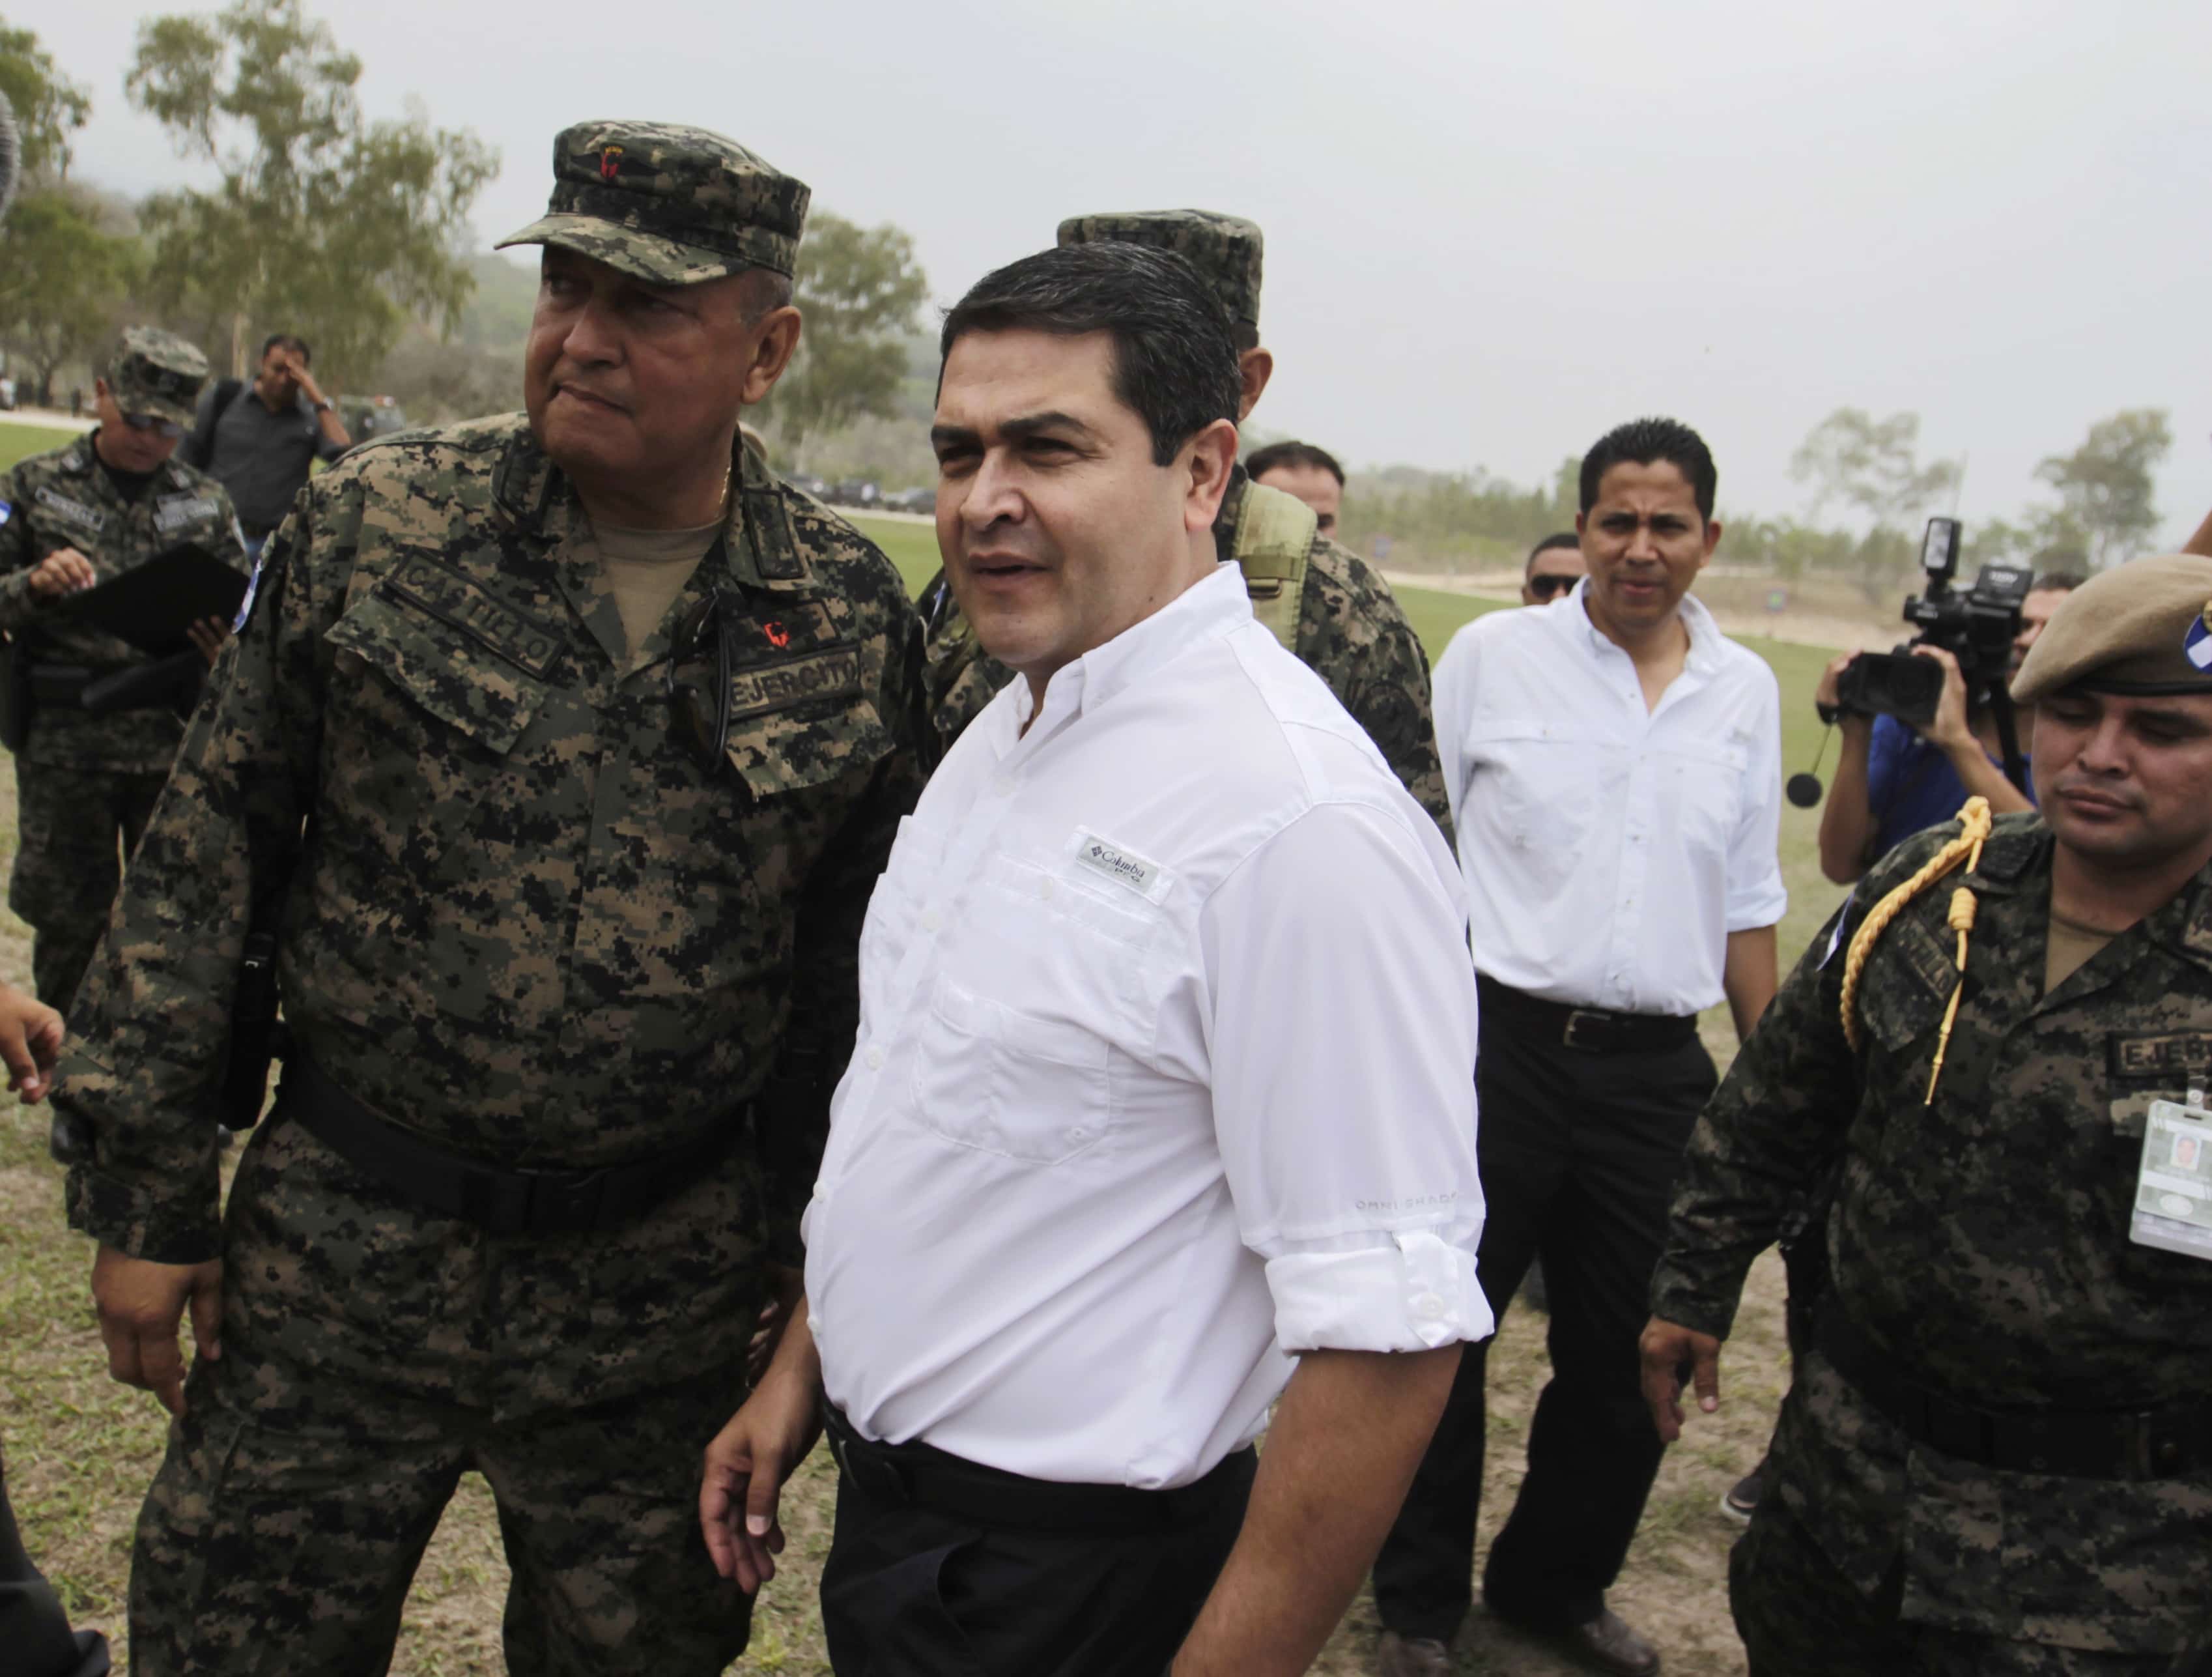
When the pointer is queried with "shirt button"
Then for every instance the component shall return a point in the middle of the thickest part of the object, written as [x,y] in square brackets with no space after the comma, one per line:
[929,920]
[1429,1307]
[875,1060]
[1044,890]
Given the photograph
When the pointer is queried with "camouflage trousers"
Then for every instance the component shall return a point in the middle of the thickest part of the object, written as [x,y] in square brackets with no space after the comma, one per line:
[75,826]
[1800,1616]
[372,1353]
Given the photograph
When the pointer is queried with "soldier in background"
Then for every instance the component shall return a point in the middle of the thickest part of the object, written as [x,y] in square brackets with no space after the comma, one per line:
[1554,565]
[561,752]
[1305,473]
[1996,1457]
[95,508]
[1321,600]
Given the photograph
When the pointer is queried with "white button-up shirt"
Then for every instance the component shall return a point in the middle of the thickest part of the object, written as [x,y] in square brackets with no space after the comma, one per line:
[1609,849]
[1165,1071]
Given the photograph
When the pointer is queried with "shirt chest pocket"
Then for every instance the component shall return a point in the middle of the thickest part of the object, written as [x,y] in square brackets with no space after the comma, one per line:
[1028,1033]
[1706,792]
[1537,785]
[425,673]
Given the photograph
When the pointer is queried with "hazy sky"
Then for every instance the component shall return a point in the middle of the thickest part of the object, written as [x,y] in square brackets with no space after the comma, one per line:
[1492,230]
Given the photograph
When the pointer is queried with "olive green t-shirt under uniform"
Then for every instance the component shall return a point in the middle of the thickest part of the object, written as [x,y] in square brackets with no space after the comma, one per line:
[645,570]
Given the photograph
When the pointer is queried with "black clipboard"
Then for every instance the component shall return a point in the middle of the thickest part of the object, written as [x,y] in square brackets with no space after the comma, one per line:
[152,605]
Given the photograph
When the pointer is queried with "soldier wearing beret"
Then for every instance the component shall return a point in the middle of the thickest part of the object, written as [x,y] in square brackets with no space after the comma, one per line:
[1997,1457]
[93,509]
[1321,599]
[559,751]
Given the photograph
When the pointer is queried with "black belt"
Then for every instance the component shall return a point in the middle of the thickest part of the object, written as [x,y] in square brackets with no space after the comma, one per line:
[922,1476]
[1588,1030]
[503,1201]
[2079,1443]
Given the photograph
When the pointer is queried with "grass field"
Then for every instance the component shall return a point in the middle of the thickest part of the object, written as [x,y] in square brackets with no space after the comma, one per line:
[82,1449]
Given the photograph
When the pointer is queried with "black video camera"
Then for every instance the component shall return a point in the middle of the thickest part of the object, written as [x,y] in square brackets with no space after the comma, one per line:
[1977,628]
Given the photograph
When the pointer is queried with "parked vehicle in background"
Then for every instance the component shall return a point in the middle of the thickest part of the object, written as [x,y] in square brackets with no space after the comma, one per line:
[373,416]
[8,394]
[807,484]
[922,499]
[854,492]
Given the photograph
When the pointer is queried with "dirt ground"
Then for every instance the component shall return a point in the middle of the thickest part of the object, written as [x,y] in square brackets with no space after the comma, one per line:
[82,1449]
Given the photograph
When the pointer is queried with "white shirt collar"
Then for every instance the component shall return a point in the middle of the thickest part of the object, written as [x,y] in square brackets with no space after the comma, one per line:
[1210,607]
[1705,637]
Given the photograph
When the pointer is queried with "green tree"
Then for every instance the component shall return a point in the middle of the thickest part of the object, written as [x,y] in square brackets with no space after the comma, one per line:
[48,107]
[860,290]
[64,281]
[323,223]
[1872,465]
[63,276]
[2106,495]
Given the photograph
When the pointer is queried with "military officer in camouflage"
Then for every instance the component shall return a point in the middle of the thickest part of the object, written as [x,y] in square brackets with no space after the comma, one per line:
[1997,1458]
[87,512]
[561,750]
[1322,600]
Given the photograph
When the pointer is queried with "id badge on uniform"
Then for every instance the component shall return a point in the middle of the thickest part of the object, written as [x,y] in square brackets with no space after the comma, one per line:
[2174,1185]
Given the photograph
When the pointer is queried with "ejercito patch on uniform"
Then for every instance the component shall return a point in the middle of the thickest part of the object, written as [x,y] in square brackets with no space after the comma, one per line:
[2159,1056]
[833,674]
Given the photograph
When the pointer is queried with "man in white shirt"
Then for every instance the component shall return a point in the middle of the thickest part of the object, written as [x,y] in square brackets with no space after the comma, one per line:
[1614,768]
[1162,1104]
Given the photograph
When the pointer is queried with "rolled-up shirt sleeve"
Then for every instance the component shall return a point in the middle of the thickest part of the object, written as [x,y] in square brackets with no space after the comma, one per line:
[1342,1049]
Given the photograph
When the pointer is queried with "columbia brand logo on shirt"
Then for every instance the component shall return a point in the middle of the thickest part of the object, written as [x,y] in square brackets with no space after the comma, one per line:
[177,510]
[62,507]
[1125,867]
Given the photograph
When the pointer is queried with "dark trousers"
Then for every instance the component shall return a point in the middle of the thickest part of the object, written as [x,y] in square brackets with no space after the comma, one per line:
[1578,1154]
[77,828]
[911,1591]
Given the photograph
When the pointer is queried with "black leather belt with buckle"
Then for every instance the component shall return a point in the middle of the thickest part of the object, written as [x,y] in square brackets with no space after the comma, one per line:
[1586,1030]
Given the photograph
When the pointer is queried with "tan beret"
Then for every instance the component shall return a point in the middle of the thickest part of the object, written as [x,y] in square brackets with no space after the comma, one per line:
[2144,628]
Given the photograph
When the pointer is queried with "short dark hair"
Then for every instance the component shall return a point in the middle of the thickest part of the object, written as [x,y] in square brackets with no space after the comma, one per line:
[761,291]
[1175,364]
[1294,455]
[1563,539]
[2064,581]
[1646,442]
[287,340]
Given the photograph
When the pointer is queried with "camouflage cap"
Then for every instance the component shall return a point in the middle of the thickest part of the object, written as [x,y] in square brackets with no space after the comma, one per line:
[1224,249]
[671,204]
[156,372]
[2141,628]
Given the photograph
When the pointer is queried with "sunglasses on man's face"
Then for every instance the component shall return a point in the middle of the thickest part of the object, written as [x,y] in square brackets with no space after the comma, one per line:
[153,423]
[703,718]
[1546,588]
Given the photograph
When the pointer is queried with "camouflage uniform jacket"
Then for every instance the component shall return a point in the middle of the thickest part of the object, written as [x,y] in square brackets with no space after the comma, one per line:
[1981,1242]
[1352,633]
[65,499]
[520,918]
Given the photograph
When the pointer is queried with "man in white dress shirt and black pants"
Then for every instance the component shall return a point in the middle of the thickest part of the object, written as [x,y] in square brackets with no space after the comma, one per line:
[1614,767]
[1162,1104]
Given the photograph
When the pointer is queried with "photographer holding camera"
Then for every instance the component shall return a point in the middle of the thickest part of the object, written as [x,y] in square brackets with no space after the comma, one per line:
[1895,779]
